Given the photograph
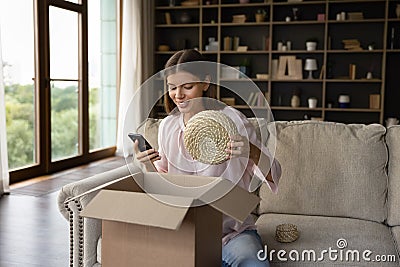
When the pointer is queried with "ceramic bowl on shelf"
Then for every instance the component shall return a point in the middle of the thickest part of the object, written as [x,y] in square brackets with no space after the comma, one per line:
[190,3]
[262,76]
[163,48]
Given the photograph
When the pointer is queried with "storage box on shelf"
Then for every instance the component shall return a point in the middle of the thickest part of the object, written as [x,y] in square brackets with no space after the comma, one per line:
[350,59]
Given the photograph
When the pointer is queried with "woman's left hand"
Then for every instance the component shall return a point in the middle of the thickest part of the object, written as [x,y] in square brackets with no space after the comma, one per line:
[238,146]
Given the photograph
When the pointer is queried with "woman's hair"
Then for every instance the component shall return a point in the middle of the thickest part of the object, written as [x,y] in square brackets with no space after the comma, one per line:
[175,64]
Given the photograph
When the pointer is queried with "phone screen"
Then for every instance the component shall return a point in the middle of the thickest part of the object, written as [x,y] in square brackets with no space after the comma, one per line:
[143,144]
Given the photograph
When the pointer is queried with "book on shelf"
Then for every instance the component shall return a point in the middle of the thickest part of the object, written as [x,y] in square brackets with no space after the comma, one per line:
[257,99]
[355,15]
[168,20]
[227,43]
[239,18]
[352,71]
[374,101]
[250,99]
[274,68]
[351,44]
[235,43]
[261,100]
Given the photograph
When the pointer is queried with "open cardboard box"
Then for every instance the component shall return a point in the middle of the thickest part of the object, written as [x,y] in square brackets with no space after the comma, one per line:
[153,219]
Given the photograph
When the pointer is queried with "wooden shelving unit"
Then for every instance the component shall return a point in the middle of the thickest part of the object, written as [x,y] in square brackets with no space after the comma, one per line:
[373,30]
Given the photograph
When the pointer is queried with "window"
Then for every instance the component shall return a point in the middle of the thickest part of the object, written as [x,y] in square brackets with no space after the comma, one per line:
[17,40]
[102,73]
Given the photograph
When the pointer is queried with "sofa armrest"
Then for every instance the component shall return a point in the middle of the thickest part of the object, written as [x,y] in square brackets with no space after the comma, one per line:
[84,232]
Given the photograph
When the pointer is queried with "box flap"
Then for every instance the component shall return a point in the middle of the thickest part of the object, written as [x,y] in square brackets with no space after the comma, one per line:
[138,208]
[178,184]
[217,192]
[132,182]
[231,200]
[185,180]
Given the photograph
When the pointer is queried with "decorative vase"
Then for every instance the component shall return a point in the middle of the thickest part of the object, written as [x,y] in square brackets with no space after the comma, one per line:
[344,101]
[260,17]
[296,13]
[185,18]
[295,101]
[312,102]
[398,11]
[311,46]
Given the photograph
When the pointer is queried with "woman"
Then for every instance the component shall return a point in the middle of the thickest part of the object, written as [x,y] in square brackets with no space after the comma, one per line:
[189,92]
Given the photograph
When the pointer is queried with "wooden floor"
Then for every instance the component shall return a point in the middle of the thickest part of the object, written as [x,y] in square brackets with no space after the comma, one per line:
[32,230]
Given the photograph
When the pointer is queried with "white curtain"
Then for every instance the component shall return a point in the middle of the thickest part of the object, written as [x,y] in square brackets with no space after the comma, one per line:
[136,54]
[4,175]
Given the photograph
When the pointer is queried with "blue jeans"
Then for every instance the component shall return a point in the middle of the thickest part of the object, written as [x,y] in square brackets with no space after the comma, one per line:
[241,251]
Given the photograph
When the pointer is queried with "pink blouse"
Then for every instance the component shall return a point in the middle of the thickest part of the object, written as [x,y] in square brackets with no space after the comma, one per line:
[239,170]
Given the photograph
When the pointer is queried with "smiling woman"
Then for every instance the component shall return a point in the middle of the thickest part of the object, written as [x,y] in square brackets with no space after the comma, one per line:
[236,156]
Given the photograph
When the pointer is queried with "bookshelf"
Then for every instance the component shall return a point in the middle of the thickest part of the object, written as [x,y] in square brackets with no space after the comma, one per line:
[367,22]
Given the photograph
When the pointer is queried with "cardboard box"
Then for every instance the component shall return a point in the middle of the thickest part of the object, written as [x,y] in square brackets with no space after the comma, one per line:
[178,222]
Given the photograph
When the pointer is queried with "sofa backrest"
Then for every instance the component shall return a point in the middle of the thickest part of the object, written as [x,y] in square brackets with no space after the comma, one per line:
[393,142]
[329,169]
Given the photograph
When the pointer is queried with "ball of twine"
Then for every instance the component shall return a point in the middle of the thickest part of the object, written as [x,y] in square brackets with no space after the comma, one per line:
[286,233]
[207,135]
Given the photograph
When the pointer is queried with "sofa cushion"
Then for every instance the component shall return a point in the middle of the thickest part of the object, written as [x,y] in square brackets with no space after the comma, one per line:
[99,250]
[396,236]
[149,129]
[393,142]
[318,233]
[329,169]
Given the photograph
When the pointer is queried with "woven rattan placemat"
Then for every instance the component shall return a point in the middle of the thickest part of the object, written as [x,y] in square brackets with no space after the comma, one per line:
[207,135]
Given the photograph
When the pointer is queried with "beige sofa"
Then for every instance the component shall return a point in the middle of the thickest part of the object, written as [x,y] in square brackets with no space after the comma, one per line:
[340,185]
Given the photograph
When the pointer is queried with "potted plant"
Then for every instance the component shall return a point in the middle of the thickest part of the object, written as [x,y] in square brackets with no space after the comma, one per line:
[311,44]
[260,15]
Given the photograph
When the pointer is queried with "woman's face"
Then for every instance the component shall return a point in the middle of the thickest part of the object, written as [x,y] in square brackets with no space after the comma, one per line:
[183,88]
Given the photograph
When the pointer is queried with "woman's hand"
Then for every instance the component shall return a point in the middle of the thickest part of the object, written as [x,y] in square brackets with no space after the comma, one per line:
[146,157]
[238,146]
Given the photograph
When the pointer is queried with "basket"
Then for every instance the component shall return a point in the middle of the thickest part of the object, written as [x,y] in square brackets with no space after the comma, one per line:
[207,134]
[286,233]
[239,18]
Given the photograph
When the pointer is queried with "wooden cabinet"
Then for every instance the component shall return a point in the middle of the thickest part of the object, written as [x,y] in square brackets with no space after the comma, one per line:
[357,52]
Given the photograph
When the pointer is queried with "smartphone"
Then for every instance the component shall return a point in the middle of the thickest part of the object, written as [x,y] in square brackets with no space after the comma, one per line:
[143,144]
